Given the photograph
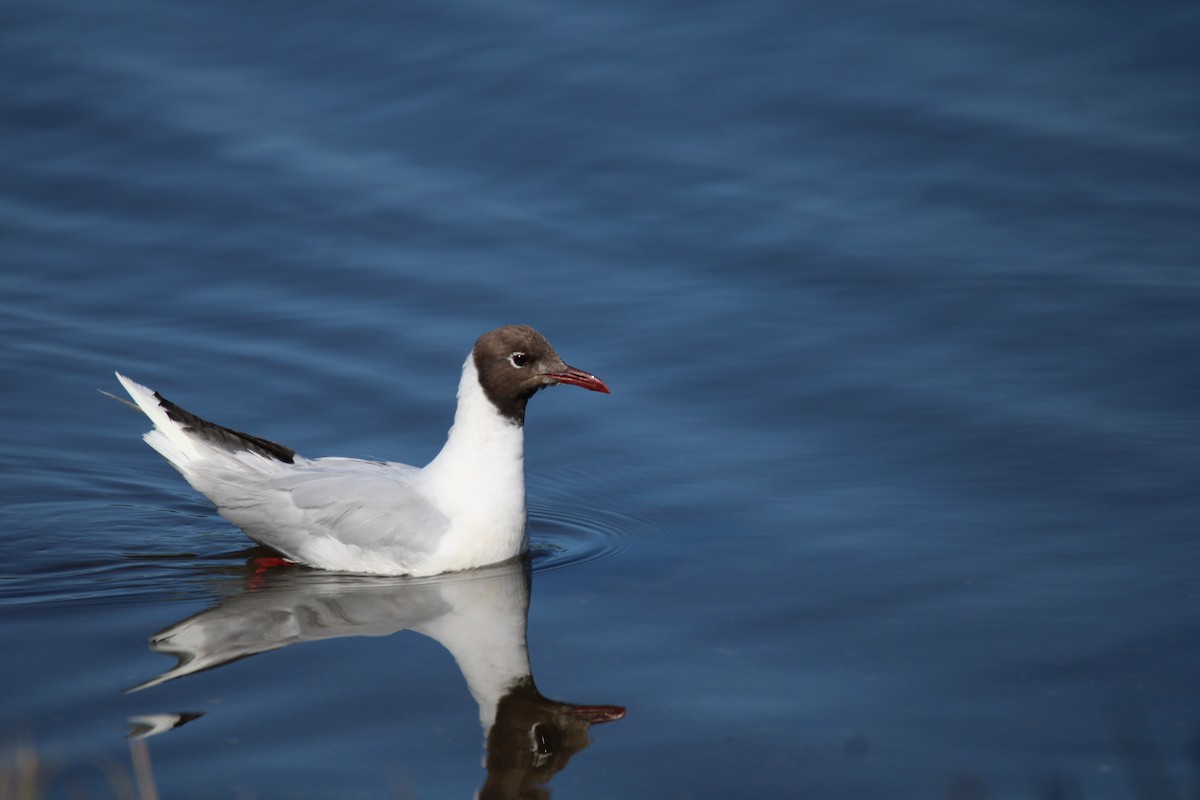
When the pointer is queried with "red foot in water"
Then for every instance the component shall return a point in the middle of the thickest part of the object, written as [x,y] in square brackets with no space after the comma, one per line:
[265,563]
[262,566]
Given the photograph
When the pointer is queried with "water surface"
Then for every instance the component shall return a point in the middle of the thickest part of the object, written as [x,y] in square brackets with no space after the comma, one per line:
[896,491]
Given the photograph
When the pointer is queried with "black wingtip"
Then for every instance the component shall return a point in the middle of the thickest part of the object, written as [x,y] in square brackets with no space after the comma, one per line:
[225,437]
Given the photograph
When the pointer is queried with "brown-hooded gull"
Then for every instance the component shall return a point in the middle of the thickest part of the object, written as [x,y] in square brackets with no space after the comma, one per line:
[464,509]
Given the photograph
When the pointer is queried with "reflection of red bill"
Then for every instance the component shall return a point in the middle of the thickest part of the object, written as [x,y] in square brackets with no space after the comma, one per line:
[594,715]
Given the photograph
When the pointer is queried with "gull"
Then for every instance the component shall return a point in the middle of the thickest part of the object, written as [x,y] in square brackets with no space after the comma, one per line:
[462,510]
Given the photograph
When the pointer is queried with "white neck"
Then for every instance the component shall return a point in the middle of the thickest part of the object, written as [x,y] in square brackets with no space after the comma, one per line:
[478,478]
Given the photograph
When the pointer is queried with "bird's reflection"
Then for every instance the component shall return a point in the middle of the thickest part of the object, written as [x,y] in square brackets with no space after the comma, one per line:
[479,616]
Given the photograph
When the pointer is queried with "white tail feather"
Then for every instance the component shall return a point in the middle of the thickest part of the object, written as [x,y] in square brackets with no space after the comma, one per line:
[168,437]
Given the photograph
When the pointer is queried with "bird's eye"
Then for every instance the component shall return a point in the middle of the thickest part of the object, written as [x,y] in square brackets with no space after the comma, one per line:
[518,359]
[541,738]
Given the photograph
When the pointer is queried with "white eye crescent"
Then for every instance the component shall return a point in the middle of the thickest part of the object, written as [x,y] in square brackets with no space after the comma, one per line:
[518,360]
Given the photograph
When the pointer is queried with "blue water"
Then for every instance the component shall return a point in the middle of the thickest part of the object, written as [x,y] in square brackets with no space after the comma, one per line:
[896,494]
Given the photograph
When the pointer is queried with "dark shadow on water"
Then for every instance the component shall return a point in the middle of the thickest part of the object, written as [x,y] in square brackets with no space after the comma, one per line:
[479,616]
[1144,766]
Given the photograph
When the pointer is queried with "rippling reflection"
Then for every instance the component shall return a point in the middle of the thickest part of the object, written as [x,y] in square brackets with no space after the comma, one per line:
[480,617]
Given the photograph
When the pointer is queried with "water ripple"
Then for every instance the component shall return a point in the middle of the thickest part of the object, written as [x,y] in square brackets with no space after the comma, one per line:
[560,537]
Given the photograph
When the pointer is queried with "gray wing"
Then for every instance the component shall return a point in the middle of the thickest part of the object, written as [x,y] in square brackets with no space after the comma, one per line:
[361,504]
